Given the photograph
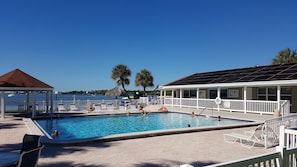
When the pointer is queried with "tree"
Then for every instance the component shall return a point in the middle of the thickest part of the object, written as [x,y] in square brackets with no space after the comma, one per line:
[144,79]
[285,56]
[121,73]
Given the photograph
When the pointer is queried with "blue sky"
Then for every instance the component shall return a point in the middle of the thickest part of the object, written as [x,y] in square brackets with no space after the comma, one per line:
[75,44]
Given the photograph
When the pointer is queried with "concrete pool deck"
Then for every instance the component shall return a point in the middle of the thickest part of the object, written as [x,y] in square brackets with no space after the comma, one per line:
[197,148]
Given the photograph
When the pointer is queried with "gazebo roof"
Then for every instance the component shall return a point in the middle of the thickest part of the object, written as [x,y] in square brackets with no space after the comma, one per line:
[20,79]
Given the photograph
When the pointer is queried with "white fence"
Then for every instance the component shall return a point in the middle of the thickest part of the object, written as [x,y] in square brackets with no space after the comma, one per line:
[149,100]
[80,104]
[252,106]
[265,160]
[285,155]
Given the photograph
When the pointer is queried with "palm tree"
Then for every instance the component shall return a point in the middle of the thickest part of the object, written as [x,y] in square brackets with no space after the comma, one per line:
[144,79]
[285,56]
[121,73]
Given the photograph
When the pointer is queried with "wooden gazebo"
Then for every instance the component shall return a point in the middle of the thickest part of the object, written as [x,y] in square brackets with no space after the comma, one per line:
[16,81]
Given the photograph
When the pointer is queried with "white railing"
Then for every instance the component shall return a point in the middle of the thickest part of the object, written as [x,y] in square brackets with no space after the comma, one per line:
[208,103]
[266,107]
[275,124]
[265,160]
[235,105]
[291,138]
[289,158]
[149,100]
[143,100]
[192,103]
[80,104]
[271,128]
[285,155]
[285,107]
[251,106]
[288,137]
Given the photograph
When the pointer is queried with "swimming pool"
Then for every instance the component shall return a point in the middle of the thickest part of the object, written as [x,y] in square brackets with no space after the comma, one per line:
[88,127]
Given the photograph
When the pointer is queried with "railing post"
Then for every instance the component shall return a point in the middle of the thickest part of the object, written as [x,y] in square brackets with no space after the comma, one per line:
[172,96]
[197,98]
[282,136]
[282,146]
[244,99]
[180,97]
[33,110]
[2,105]
[282,161]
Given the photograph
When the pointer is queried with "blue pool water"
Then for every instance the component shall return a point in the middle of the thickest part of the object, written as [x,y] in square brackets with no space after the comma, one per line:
[74,128]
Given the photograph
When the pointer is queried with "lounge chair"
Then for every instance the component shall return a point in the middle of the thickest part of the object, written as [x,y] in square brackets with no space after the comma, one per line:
[97,107]
[61,107]
[73,107]
[29,158]
[104,106]
[249,138]
[115,106]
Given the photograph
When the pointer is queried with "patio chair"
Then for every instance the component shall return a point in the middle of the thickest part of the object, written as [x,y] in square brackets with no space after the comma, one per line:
[115,106]
[30,158]
[61,107]
[30,142]
[104,106]
[97,107]
[249,139]
[73,107]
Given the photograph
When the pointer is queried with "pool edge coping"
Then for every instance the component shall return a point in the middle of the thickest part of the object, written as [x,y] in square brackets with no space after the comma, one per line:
[46,139]
[137,135]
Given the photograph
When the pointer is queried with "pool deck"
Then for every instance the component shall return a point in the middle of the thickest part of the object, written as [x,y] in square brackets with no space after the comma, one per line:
[197,148]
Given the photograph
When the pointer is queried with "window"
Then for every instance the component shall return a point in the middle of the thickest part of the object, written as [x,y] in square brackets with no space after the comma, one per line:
[286,90]
[224,94]
[186,93]
[271,93]
[261,90]
[193,93]
[213,94]
[189,93]
[233,93]
[267,93]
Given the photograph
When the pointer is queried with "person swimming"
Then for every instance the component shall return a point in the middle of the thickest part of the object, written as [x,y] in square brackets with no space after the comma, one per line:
[141,110]
[163,109]
[56,133]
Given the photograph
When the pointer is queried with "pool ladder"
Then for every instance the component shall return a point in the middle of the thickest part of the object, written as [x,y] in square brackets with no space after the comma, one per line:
[202,111]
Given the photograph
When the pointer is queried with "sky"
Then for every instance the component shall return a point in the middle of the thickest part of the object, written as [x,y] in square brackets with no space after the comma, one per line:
[75,44]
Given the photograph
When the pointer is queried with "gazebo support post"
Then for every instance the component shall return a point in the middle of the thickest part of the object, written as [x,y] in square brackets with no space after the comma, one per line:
[28,101]
[33,104]
[52,105]
[2,105]
[47,102]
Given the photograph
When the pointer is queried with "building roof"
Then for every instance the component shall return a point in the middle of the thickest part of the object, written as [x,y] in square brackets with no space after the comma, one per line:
[250,74]
[20,79]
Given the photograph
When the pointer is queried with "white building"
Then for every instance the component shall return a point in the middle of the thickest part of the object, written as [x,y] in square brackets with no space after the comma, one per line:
[259,89]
